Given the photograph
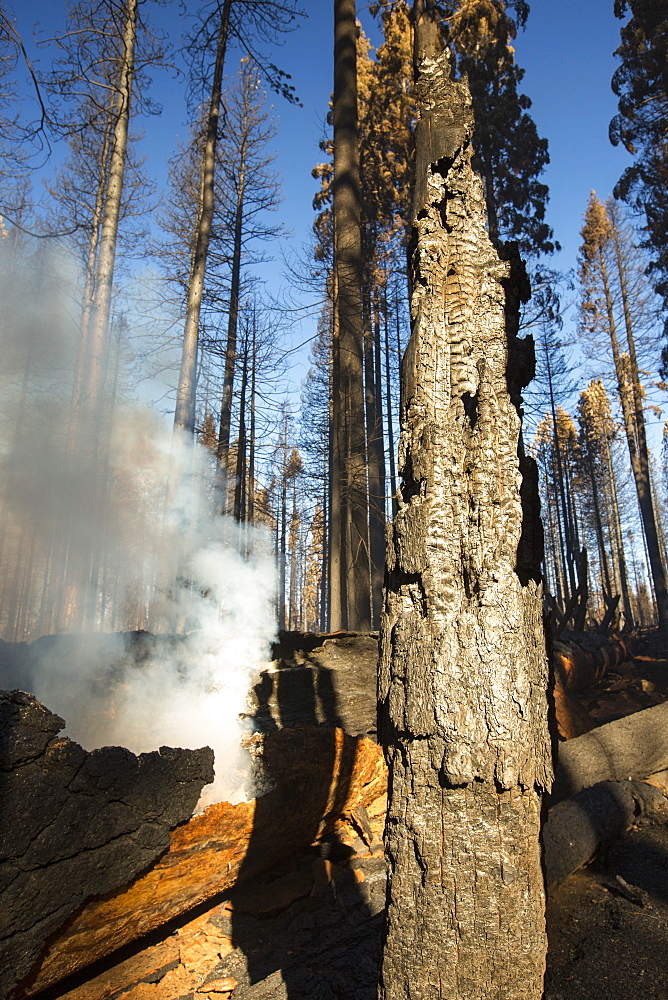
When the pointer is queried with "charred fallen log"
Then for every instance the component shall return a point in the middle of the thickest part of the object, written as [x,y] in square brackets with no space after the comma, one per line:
[313,679]
[578,827]
[76,824]
[581,659]
[312,777]
[319,679]
[629,748]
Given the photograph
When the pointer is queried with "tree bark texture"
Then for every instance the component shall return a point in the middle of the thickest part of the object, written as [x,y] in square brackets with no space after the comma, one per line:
[463,672]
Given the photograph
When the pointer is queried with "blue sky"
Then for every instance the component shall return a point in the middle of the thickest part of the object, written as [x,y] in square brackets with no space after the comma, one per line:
[566,50]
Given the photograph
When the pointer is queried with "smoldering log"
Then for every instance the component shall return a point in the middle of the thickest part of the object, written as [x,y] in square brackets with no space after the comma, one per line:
[76,824]
[312,776]
[313,679]
[321,679]
[327,679]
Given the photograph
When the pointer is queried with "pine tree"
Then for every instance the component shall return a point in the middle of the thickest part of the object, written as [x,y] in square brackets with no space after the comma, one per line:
[250,191]
[385,112]
[314,443]
[641,85]
[604,272]
[509,154]
[22,132]
[550,389]
[96,85]
[598,431]
[252,24]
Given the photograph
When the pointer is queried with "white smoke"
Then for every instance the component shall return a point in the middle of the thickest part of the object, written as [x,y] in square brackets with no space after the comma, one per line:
[205,584]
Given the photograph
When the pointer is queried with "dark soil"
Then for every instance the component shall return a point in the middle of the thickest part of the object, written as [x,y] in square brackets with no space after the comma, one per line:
[608,924]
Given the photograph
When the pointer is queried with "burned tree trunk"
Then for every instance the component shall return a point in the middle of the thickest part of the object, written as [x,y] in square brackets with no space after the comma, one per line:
[351,502]
[463,668]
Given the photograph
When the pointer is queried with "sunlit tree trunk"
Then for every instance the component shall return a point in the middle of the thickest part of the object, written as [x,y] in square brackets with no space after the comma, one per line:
[242,445]
[463,672]
[376,460]
[388,403]
[88,293]
[350,501]
[184,415]
[618,538]
[106,255]
[252,432]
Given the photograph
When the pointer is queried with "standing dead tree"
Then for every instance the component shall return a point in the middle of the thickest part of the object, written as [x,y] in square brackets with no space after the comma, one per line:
[463,670]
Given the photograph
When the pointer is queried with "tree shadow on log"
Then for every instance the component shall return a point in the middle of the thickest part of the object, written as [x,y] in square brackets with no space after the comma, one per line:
[285,920]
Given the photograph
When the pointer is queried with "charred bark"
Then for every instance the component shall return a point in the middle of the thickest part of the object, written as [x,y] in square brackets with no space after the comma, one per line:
[76,825]
[463,670]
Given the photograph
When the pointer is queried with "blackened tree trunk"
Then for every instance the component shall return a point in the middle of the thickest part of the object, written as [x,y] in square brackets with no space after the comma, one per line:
[250,490]
[223,452]
[375,458]
[349,434]
[242,446]
[463,673]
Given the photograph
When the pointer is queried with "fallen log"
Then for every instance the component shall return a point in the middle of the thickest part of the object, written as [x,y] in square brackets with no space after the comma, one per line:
[578,827]
[76,824]
[312,775]
[632,747]
[320,774]
[583,658]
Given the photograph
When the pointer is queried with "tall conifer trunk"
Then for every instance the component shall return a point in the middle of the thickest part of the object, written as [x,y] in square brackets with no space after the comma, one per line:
[242,446]
[463,673]
[349,438]
[634,428]
[106,256]
[641,470]
[223,452]
[184,415]
[375,458]
[88,293]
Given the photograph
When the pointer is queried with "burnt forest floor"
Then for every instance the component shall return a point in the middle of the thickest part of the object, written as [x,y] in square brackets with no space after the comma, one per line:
[311,929]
